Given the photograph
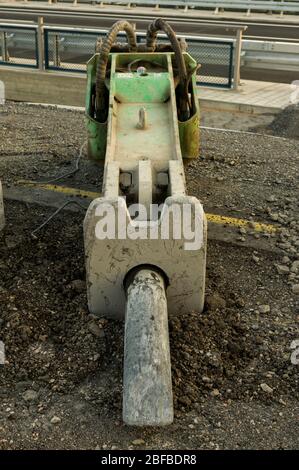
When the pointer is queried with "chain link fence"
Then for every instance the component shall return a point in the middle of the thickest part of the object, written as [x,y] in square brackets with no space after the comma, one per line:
[216,59]
[18,46]
[69,50]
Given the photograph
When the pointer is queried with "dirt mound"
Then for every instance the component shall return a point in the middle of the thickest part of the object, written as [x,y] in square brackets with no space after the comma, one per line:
[51,338]
[48,332]
[216,354]
[233,381]
[285,124]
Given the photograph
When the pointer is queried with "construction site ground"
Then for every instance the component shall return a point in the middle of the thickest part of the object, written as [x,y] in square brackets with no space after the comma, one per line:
[234,383]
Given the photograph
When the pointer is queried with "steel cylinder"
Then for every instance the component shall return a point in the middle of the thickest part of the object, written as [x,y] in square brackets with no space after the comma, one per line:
[147,387]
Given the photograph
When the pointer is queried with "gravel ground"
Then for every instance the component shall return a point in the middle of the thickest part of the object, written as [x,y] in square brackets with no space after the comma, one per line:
[234,383]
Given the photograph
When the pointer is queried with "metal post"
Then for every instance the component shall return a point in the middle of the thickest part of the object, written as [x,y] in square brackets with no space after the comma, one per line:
[56,55]
[147,388]
[40,43]
[237,58]
[5,55]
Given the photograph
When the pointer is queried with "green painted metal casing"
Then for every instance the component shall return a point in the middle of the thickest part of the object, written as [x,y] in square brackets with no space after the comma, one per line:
[189,131]
[97,131]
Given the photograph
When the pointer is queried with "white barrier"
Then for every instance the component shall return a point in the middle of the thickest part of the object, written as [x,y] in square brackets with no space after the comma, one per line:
[2,218]
[295,93]
[2,93]
[272,55]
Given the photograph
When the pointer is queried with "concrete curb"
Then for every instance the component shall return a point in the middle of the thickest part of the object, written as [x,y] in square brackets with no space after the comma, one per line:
[43,87]
[68,89]
[218,105]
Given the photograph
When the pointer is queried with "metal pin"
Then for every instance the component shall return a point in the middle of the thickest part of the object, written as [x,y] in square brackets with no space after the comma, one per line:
[142,123]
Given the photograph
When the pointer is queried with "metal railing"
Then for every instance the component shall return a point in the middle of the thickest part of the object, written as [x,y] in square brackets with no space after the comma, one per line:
[289,6]
[216,59]
[68,50]
[18,46]
[271,55]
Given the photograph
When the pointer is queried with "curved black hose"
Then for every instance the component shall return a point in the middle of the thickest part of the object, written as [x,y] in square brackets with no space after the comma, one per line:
[151,39]
[101,112]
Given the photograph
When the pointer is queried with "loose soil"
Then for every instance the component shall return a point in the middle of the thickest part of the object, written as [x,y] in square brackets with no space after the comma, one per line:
[233,380]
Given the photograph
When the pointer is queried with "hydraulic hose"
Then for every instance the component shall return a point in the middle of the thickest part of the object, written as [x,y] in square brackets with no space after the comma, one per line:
[101,112]
[151,39]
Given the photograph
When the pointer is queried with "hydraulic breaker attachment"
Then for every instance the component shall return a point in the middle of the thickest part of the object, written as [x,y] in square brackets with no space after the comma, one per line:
[145,238]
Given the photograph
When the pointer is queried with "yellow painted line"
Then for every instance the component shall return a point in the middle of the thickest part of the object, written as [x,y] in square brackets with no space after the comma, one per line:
[214,218]
[257,226]
[61,189]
